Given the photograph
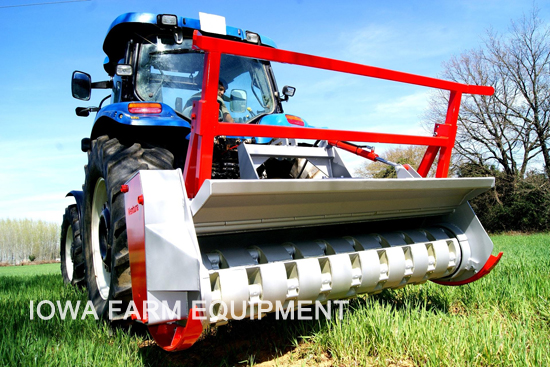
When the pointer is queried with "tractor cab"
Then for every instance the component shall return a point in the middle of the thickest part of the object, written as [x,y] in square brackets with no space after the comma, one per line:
[172,73]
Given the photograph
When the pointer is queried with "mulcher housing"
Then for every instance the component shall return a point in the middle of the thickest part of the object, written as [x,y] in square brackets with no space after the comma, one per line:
[247,218]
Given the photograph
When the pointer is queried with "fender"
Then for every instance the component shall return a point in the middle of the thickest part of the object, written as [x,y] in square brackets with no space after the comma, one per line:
[79,198]
[116,121]
[119,113]
[281,119]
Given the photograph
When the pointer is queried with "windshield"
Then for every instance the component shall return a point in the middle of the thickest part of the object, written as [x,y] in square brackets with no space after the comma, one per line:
[172,74]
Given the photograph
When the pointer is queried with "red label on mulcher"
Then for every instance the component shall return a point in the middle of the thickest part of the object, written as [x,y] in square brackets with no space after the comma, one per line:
[133,209]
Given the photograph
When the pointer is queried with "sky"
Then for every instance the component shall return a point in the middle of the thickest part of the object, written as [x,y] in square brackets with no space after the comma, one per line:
[44,41]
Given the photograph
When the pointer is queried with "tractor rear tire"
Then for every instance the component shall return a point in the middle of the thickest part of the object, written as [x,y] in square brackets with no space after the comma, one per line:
[110,164]
[72,257]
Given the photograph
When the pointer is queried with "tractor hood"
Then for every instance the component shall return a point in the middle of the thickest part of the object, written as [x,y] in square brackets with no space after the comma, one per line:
[281,119]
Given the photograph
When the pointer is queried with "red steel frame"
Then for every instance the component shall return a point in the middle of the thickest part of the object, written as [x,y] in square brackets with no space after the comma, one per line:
[205,125]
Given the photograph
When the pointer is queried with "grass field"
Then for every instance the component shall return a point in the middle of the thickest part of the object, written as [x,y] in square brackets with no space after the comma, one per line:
[30,270]
[501,320]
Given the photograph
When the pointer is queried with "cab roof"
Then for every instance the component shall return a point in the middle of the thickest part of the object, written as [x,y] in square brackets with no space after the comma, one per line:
[128,25]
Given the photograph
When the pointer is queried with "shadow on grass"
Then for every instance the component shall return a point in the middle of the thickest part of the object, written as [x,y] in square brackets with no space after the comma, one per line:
[425,297]
[249,342]
[243,342]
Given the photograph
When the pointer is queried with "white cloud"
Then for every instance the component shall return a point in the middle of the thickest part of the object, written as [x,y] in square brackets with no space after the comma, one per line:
[417,48]
[403,114]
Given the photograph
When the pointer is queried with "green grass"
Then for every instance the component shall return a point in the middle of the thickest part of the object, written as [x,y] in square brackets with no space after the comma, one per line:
[55,342]
[501,320]
[30,270]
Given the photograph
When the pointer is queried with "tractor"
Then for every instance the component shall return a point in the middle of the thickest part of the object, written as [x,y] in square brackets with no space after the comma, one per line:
[203,201]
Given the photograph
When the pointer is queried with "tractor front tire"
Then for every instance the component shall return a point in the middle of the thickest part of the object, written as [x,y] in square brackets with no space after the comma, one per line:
[110,164]
[72,257]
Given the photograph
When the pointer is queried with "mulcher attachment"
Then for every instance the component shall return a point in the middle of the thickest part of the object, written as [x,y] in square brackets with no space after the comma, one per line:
[235,248]
[244,247]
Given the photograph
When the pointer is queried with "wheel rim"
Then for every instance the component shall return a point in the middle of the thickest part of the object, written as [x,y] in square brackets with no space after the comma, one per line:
[102,273]
[69,267]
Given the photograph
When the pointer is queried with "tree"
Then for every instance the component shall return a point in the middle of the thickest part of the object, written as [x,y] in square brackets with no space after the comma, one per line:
[400,154]
[514,203]
[22,238]
[512,127]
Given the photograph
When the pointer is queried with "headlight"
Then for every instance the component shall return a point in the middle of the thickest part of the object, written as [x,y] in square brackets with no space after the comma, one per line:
[167,19]
[252,37]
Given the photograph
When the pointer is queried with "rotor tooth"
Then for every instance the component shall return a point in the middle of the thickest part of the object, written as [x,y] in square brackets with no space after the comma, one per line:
[306,249]
[366,242]
[341,272]
[237,257]
[309,278]
[394,259]
[371,271]
[275,282]
[436,233]
[273,253]
[337,245]
[211,261]
[255,289]
[417,236]
[232,292]
[293,284]
[356,274]
[392,239]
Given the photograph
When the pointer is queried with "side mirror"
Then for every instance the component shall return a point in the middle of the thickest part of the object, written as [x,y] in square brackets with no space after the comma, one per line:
[238,100]
[81,85]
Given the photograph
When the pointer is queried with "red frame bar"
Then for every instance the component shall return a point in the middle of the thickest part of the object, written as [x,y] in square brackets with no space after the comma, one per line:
[489,265]
[173,337]
[205,125]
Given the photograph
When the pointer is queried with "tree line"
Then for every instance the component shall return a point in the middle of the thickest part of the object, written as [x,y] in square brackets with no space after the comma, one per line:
[28,240]
[507,135]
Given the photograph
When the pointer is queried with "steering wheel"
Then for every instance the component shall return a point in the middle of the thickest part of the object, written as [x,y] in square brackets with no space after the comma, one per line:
[190,101]
[189,105]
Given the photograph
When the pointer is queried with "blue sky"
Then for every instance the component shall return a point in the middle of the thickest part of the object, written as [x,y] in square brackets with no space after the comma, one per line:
[40,157]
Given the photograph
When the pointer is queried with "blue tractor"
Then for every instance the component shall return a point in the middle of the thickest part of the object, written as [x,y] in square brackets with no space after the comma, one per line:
[155,76]
[202,195]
